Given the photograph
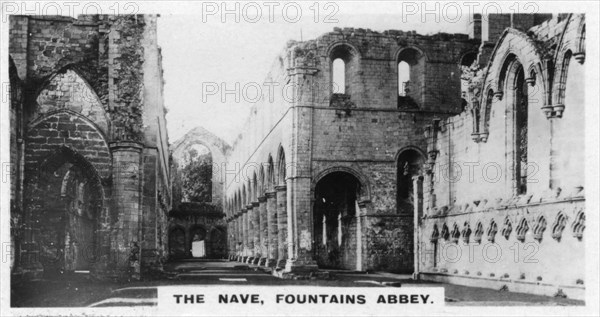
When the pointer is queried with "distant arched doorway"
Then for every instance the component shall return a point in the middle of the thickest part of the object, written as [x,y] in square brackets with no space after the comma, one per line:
[409,164]
[335,223]
[198,243]
[177,243]
[217,247]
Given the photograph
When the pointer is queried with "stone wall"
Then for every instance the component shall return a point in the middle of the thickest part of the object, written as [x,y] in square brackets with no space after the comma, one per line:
[472,181]
[360,132]
[188,218]
[77,89]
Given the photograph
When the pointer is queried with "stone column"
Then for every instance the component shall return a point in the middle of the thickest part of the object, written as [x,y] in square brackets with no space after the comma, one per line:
[231,237]
[272,239]
[149,211]
[125,242]
[300,226]
[255,232]
[239,241]
[264,232]
[244,234]
[359,253]
[418,215]
[250,220]
[282,226]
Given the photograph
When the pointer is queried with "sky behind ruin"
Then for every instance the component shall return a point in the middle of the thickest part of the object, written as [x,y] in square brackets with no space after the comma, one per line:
[197,52]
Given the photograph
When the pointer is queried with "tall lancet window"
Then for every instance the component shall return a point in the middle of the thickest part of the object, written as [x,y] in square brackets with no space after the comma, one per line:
[403,78]
[339,76]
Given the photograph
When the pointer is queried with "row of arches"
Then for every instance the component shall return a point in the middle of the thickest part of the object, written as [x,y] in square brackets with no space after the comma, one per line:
[546,77]
[263,177]
[538,227]
[338,193]
[196,241]
[530,89]
[409,163]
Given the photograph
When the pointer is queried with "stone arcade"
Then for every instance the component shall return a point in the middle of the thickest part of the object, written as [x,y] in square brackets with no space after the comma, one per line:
[427,145]
[433,155]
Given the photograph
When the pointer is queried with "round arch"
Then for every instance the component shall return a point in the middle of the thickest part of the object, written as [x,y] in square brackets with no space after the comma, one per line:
[407,148]
[365,190]
[65,209]
[467,58]
[404,49]
[342,45]
[177,241]
[101,163]
[409,163]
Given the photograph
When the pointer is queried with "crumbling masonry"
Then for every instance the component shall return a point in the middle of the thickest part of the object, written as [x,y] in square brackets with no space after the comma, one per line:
[455,157]
[90,163]
[482,148]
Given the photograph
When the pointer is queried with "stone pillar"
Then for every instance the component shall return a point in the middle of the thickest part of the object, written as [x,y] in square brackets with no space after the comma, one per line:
[239,241]
[244,234]
[282,226]
[149,248]
[300,226]
[231,237]
[234,234]
[255,232]
[125,242]
[359,237]
[272,243]
[418,214]
[264,230]
[30,264]
[250,220]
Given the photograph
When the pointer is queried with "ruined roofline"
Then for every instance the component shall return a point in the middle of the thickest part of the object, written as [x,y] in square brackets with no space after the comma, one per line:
[394,34]
[82,19]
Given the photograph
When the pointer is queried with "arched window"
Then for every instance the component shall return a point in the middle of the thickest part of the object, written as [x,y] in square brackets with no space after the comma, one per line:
[409,163]
[344,74]
[466,64]
[521,133]
[196,174]
[281,168]
[339,76]
[512,81]
[411,74]
[403,78]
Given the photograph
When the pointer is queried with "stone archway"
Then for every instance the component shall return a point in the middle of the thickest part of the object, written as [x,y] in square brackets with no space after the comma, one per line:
[334,220]
[216,148]
[67,199]
[198,242]
[409,164]
[177,243]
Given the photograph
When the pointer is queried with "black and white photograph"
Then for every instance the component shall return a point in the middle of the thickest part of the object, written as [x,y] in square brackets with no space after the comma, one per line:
[299,158]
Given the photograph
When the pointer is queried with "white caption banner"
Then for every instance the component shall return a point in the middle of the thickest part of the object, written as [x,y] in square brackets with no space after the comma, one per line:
[297,300]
